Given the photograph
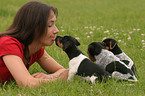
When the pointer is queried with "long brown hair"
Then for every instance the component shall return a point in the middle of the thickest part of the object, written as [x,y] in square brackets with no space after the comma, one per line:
[30,17]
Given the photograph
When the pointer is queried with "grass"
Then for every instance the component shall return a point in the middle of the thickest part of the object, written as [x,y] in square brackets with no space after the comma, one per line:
[88,20]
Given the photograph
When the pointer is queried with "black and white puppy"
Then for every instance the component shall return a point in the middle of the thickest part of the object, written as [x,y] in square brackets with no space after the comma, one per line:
[112,46]
[79,64]
[108,61]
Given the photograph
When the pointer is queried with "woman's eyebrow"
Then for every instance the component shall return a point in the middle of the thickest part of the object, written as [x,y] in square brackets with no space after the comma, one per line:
[52,21]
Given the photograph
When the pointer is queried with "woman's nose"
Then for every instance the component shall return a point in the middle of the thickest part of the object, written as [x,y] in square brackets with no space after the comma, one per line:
[56,30]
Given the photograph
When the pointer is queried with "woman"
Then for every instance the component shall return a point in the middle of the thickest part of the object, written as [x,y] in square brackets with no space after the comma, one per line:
[22,44]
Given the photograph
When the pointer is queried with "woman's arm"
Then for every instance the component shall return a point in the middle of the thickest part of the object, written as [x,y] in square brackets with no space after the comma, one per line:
[20,73]
[51,66]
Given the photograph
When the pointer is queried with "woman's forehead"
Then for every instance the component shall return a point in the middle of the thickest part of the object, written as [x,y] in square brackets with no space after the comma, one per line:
[51,16]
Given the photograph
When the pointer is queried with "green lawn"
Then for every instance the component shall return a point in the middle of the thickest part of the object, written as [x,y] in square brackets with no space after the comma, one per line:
[88,20]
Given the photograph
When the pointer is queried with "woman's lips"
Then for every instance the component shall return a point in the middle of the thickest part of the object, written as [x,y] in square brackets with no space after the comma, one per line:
[53,38]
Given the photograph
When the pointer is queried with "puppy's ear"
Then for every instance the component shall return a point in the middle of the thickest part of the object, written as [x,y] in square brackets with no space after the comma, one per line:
[75,41]
[98,48]
[95,48]
[112,44]
[103,44]
[66,45]
[90,52]
[57,39]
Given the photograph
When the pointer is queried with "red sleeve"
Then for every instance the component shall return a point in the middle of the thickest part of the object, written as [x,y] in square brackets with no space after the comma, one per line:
[40,52]
[10,46]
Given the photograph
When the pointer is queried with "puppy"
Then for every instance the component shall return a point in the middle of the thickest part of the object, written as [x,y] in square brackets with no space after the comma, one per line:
[112,46]
[79,64]
[109,62]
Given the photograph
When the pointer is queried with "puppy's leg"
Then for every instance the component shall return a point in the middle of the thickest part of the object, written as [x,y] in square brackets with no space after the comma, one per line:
[70,75]
[120,70]
[124,58]
[120,76]
[92,79]
[111,45]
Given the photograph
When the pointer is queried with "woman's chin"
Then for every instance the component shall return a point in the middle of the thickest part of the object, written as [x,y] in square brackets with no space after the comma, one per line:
[49,44]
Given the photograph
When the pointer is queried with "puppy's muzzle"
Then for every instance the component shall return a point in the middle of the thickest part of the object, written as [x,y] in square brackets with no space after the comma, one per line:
[58,41]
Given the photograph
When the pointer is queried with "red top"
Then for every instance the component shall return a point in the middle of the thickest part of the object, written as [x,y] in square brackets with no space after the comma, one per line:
[11,46]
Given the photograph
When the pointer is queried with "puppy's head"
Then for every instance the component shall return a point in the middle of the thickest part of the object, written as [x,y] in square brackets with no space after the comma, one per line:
[95,48]
[66,42]
[109,43]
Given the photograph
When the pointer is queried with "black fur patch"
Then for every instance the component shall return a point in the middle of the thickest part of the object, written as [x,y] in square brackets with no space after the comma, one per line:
[89,68]
[117,66]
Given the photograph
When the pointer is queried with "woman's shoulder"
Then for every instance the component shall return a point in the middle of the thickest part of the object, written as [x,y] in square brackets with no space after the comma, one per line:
[10,45]
[9,40]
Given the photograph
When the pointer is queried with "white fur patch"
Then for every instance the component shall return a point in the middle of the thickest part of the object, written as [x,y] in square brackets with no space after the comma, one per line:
[105,57]
[74,64]
[123,56]
[92,78]
[120,76]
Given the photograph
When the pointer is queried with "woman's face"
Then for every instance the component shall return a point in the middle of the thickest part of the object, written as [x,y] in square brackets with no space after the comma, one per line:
[49,38]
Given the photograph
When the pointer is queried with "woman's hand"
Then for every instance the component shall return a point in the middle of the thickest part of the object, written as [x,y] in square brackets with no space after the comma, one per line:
[51,66]
[44,76]
[62,76]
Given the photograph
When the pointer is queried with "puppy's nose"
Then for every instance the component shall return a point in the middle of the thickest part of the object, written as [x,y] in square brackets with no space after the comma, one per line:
[59,36]
[57,39]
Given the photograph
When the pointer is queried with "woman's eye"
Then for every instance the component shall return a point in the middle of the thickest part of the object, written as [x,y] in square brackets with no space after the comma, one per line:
[49,25]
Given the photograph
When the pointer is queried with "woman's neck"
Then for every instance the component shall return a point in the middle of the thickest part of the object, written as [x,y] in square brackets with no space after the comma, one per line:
[33,48]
